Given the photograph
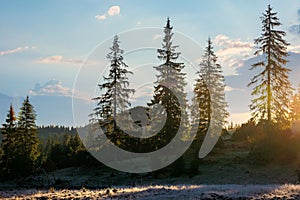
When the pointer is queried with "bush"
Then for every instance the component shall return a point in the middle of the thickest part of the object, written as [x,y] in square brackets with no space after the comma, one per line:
[270,144]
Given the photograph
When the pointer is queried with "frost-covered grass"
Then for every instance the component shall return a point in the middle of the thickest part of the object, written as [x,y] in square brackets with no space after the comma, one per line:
[287,191]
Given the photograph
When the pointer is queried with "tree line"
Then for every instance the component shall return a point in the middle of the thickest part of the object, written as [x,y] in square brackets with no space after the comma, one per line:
[274,108]
[27,149]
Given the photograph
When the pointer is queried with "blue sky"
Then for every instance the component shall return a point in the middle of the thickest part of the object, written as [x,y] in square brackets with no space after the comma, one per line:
[42,41]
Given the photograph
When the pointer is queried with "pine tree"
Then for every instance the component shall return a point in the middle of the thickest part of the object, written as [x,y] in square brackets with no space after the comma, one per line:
[209,93]
[169,93]
[169,89]
[211,73]
[28,150]
[115,98]
[271,85]
[9,143]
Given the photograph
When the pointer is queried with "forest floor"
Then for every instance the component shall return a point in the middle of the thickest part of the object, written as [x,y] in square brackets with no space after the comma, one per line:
[225,173]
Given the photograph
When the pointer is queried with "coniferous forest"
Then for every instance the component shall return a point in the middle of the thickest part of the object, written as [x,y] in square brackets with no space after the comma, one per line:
[262,151]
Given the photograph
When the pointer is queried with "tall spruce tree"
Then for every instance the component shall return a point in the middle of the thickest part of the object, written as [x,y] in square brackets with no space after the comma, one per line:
[211,73]
[8,145]
[271,85]
[169,93]
[209,93]
[173,100]
[114,100]
[28,141]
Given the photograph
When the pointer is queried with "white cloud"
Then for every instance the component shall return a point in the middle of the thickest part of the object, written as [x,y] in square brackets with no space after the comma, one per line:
[233,47]
[55,88]
[16,50]
[100,17]
[229,89]
[112,11]
[157,36]
[58,59]
[294,49]
[51,88]
[145,91]
[232,52]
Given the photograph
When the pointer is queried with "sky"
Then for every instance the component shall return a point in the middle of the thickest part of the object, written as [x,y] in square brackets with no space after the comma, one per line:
[48,47]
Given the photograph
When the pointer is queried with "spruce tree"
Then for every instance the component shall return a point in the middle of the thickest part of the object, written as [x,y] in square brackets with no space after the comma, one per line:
[28,150]
[169,93]
[8,145]
[211,73]
[271,85]
[209,93]
[169,89]
[115,92]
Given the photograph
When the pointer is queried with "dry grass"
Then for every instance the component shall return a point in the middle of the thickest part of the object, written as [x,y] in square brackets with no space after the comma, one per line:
[287,191]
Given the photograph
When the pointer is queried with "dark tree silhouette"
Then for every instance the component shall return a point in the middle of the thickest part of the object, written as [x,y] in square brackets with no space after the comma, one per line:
[28,147]
[9,143]
[21,142]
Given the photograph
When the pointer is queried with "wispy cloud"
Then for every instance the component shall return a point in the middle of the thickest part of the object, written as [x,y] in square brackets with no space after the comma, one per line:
[58,59]
[294,49]
[230,89]
[112,11]
[100,17]
[232,52]
[16,50]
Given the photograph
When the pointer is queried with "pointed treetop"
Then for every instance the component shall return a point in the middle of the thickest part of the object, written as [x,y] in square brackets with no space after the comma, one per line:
[12,113]
[168,25]
[209,42]
[116,37]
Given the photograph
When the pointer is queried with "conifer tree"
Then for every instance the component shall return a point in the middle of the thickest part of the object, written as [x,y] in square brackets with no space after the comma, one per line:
[271,86]
[9,143]
[115,93]
[211,73]
[28,150]
[173,100]
[209,93]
